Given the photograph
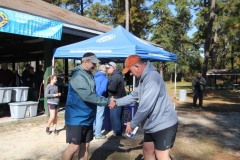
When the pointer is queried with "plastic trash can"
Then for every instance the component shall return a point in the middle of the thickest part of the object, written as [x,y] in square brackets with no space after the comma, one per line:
[182,95]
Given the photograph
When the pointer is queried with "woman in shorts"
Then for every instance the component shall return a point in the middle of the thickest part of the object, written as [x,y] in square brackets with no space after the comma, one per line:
[52,95]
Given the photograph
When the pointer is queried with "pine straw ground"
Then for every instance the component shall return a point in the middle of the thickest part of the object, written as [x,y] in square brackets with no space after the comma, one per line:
[210,134]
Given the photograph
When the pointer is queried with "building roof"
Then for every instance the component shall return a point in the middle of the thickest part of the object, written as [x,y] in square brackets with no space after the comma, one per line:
[223,72]
[47,10]
[19,48]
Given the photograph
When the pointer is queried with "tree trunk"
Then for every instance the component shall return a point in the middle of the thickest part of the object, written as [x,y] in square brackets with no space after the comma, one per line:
[232,57]
[81,4]
[208,38]
[160,68]
[127,14]
[214,50]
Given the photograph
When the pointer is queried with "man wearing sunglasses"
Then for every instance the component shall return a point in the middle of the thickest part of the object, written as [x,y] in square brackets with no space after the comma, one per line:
[81,106]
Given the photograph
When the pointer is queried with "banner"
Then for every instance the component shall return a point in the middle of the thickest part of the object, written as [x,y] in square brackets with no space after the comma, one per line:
[29,25]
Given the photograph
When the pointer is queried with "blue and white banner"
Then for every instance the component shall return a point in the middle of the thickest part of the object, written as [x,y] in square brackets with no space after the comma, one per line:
[29,25]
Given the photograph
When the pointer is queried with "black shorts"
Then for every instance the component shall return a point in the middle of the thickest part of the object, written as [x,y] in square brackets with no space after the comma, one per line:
[52,106]
[79,134]
[163,139]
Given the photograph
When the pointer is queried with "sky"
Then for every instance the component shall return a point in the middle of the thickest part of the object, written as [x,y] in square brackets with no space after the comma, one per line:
[194,29]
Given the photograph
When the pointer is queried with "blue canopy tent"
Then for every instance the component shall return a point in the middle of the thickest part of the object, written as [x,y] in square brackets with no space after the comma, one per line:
[116,45]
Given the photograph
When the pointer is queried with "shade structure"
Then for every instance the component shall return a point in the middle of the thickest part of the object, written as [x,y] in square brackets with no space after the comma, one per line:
[117,43]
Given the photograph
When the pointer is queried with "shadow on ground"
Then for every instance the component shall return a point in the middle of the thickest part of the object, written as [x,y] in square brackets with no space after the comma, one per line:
[120,148]
[218,120]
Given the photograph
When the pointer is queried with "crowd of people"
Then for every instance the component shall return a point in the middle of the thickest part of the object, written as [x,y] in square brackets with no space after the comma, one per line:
[87,101]
[92,98]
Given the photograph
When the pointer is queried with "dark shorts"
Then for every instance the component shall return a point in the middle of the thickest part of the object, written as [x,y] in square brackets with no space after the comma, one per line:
[79,134]
[163,139]
[52,106]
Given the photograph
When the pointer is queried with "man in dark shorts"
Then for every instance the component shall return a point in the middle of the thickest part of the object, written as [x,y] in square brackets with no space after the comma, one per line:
[155,109]
[81,106]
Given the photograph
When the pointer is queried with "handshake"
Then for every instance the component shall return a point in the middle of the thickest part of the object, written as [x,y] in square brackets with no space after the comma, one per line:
[112,103]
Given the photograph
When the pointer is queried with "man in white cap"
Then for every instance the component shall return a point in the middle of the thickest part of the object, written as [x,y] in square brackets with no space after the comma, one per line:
[116,89]
[81,106]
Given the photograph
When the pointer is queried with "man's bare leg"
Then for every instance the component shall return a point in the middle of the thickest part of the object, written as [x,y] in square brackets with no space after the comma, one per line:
[70,151]
[148,151]
[163,155]
[83,151]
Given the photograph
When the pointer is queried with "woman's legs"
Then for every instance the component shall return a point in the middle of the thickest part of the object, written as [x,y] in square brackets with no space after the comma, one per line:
[52,119]
[55,119]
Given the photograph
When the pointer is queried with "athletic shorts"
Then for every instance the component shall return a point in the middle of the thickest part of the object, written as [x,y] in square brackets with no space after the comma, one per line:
[52,106]
[163,139]
[79,134]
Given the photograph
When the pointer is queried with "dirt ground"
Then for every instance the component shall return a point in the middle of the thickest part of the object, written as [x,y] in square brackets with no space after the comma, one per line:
[210,134]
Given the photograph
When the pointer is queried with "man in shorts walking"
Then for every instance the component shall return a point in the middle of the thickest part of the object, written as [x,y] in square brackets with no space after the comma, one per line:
[155,109]
[81,106]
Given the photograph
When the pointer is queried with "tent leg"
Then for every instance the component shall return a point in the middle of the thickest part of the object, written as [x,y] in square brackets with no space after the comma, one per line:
[175,85]
[53,66]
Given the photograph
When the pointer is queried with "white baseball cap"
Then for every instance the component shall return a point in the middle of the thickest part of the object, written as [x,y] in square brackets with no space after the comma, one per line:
[111,64]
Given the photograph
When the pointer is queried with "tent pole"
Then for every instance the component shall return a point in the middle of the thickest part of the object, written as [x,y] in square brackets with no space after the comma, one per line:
[53,66]
[134,82]
[175,85]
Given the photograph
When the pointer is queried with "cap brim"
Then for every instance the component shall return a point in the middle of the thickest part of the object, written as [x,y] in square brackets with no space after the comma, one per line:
[95,60]
[125,70]
[108,66]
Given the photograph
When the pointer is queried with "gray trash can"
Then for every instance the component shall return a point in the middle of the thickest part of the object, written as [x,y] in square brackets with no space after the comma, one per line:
[182,95]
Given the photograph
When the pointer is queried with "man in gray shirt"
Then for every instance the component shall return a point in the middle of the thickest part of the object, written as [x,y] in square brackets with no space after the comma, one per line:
[155,109]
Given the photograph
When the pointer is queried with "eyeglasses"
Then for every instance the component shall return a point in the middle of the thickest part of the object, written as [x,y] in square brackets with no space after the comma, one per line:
[92,63]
